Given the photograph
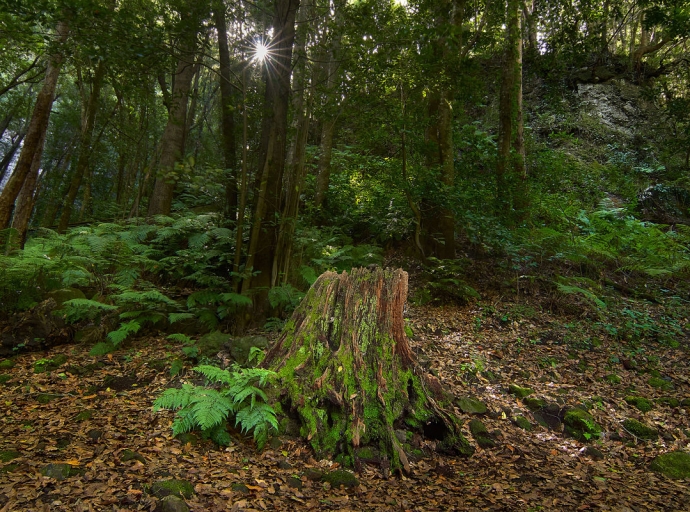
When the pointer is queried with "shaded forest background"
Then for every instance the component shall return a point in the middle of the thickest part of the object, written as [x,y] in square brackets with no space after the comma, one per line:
[204,162]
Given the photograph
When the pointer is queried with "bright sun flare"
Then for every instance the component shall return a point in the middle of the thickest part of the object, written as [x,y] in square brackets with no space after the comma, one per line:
[260,52]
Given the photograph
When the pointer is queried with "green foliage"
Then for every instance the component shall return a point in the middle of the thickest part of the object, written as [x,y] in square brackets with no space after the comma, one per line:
[445,280]
[285,298]
[84,309]
[237,393]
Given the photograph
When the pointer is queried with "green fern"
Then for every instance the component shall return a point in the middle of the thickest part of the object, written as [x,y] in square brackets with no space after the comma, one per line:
[240,394]
[125,329]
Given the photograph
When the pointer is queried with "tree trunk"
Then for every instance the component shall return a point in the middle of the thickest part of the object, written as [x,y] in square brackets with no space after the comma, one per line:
[324,177]
[446,221]
[227,110]
[37,127]
[172,141]
[296,155]
[9,156]
[273,146]
[346,369]
[84,148]
[510,172]
[27,197]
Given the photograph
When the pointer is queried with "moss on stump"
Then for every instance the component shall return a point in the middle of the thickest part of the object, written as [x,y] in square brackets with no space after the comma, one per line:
[346,369]
[672,464]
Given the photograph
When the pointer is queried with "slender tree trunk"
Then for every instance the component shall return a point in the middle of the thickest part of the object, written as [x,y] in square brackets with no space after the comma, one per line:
[323,178]
[9,156]
[272,157]
[509,117]
[227,113]
[173,139]
[447,217]
[84,148]
[27,197]
[37,127]
[294,179]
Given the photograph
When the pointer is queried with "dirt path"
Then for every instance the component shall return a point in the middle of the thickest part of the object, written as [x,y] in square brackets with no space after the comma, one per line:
[95,414]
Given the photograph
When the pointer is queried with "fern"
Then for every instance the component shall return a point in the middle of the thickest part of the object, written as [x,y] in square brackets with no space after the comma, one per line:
[207,408]
[125,329]
[80,309]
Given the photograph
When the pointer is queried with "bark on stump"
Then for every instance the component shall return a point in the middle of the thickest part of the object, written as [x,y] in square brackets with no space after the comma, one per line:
[346,369]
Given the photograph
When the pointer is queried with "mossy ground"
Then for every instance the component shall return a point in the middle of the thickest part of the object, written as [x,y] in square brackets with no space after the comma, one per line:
[673,464]
[580,424]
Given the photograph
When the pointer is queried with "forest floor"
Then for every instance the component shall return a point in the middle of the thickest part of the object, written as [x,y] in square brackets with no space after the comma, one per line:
[95,414]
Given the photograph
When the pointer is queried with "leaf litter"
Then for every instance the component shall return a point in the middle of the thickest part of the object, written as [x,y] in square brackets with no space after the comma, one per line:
[117,447]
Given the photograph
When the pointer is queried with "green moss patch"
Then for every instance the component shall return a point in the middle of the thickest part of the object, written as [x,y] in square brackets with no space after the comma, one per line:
[519,391]
[341,477]
[6,364]
[127,455]
[672,464]
[481,434]
[164,488]
[671,402]
[534,404]
[581,425]
[48,365]
[84,415]
[4,379]
[612,378]
[659,383]
[8,455]
[44,398]
[641,403]
[640,430]
[470,405]
[522,422]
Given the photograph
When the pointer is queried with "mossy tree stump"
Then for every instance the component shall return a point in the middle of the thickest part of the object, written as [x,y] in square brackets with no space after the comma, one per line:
[345,367]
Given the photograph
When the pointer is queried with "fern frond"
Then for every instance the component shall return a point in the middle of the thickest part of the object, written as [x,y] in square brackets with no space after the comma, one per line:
[215,374]
[210,408]
[174,398]
[178,317]
[123,331]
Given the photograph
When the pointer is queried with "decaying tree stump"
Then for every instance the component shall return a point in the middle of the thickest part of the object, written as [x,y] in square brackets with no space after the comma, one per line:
[346,370]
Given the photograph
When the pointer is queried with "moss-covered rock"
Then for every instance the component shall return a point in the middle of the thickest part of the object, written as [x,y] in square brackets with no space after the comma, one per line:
[44,398]
[4,379]
[670,401]
[57,471]
[188,438]
[522,422]
[519,391]
[8,455]
[65,294]
[612,378]
[8,468]
[164,488]
[672,464]
[534,404]
[341,477]
[580,424]
[127,455]
[641,403]
[240,347]
[594,453]
[685,402]
[48,365]
[481,434]
[172,504]
[6,364]
[470,405]
[660,383]
[84,415]
[640,430]
[241,488]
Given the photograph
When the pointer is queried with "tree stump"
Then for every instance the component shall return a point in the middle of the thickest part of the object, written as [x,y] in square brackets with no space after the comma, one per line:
[346,369]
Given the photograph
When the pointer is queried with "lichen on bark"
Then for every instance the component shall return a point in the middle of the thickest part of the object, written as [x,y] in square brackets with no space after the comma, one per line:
[346,369]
